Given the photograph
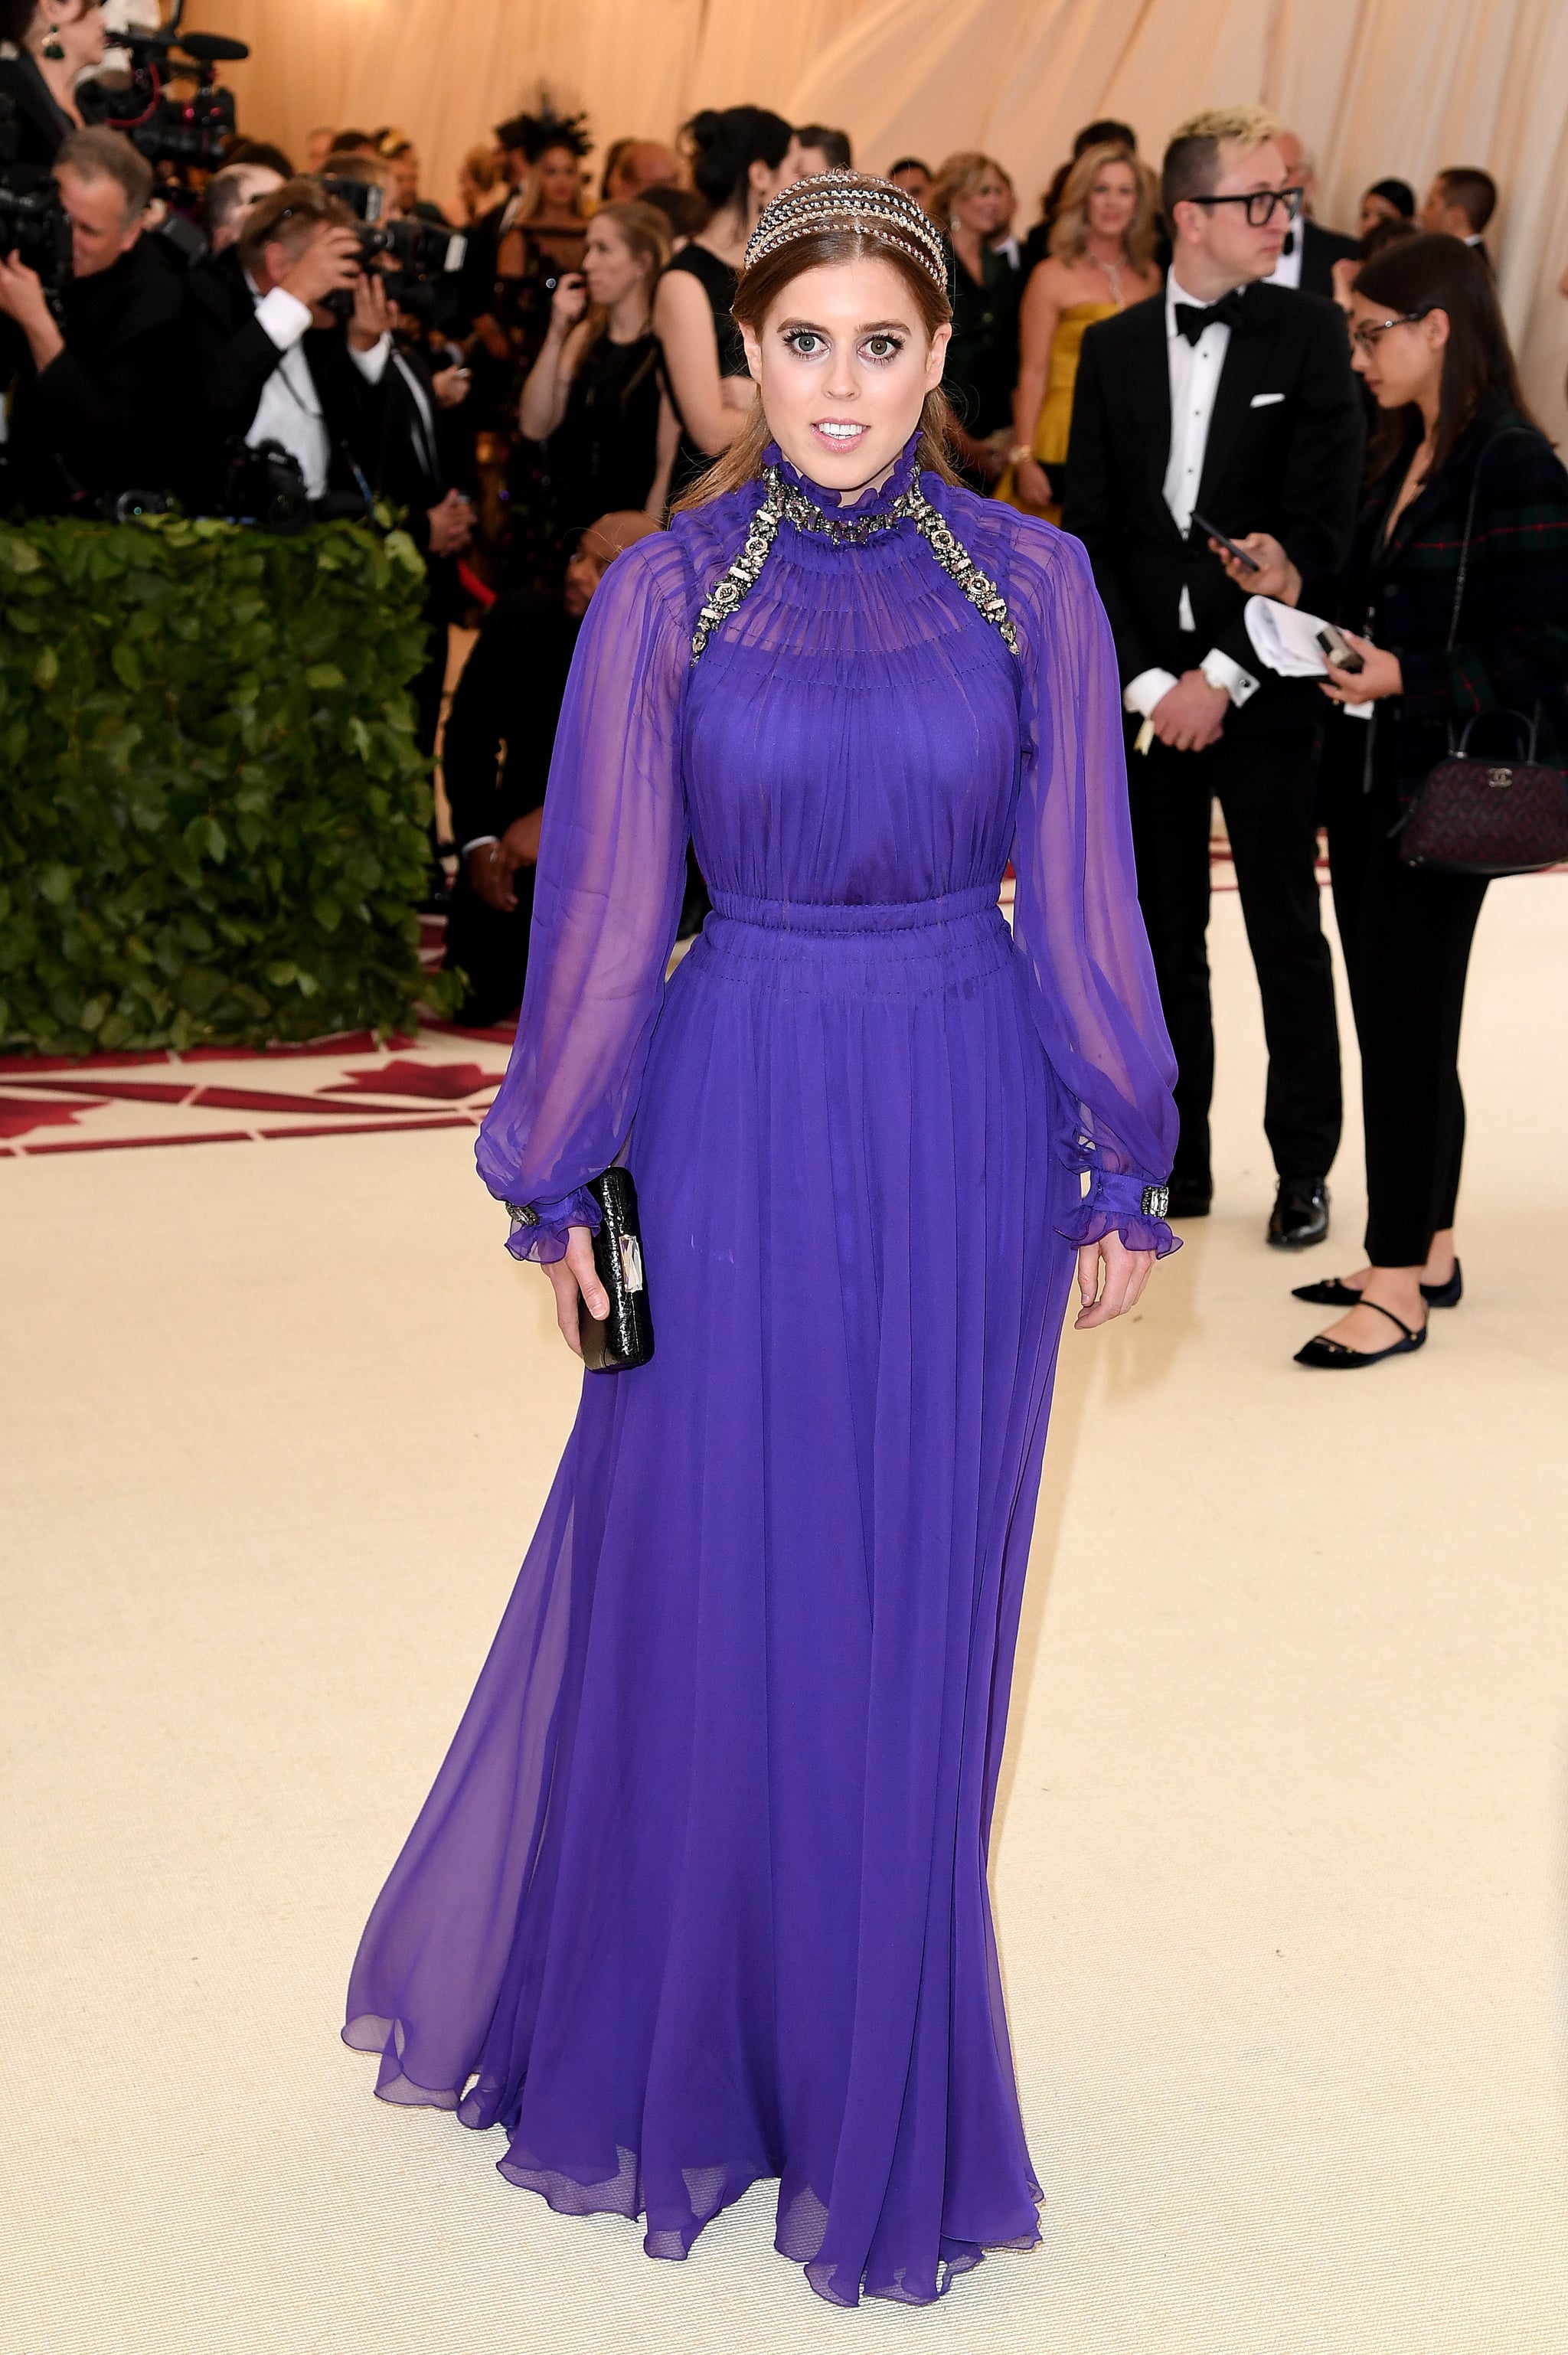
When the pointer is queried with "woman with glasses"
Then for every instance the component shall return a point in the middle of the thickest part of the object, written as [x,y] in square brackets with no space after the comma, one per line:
[1456,456]
[55,46]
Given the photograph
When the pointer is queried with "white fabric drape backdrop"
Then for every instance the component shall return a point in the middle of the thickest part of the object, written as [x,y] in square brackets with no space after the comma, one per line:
[1373,86]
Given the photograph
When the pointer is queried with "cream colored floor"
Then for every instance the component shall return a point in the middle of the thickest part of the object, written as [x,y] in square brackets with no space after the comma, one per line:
[1280,1879]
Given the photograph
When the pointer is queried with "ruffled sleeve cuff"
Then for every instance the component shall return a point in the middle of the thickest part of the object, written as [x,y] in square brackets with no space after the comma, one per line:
[539,1229]
[1122,1204]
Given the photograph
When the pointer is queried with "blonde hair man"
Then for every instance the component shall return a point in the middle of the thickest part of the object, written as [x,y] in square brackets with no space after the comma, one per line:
[1228,402]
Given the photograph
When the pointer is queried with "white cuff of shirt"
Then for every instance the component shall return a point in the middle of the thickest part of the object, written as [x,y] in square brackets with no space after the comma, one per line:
[1221,670]
[283,317]
[1141,693]
[372,365]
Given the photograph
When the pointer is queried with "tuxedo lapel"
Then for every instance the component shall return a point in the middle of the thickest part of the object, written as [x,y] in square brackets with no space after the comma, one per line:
[1148,394]
[1246,360]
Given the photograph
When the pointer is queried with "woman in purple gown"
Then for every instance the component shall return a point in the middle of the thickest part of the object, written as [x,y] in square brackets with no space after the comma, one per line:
[699,1894]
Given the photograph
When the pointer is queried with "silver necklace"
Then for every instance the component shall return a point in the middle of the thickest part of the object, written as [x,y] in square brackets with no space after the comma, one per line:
[783,502]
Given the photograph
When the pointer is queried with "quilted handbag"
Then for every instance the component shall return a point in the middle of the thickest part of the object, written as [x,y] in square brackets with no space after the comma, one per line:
[1477,817]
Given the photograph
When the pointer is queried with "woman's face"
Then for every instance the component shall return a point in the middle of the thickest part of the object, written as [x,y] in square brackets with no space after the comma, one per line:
[1112,200]
[843,364]
[1375,209]
[556,175]
[612,269]
[80,27]
[1401,364]
[986,208]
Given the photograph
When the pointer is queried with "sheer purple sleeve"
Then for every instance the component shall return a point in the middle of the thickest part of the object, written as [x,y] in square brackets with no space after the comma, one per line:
[1076,915]
[606,903]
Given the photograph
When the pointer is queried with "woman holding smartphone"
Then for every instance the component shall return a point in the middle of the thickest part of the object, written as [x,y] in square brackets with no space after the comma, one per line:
[1455,442]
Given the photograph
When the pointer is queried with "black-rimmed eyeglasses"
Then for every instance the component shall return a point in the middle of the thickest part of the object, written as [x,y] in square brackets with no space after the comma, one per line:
[1367,338]
[1261,204]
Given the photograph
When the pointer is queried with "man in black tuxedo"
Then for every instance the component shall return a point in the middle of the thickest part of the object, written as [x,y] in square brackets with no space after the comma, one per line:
[1309,254]
[269,359]
[1234,401]
[94,408]
[1459,203]
[422,461]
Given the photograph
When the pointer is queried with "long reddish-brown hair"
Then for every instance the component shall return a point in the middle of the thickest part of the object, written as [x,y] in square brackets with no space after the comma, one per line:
[760,289]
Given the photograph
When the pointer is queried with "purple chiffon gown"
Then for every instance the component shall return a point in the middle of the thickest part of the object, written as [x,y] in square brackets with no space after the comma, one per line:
[700,1895]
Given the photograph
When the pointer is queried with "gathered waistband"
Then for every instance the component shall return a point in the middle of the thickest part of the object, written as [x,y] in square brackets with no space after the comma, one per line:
[853,916]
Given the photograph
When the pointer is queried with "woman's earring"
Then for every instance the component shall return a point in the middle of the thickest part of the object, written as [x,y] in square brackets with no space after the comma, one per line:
[54,48]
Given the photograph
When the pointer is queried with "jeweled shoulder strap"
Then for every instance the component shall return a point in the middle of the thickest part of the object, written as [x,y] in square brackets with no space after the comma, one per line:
[780,501]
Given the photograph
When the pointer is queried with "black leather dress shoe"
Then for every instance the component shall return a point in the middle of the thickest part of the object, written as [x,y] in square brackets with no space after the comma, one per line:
[1189,1198]
[1300,1214]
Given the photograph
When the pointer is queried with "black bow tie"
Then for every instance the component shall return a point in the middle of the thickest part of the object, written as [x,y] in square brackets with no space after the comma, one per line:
[1289,245]
[1191,321]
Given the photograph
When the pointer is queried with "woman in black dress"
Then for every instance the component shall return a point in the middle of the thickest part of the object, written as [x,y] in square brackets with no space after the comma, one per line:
[54,47]
[594,394]
[1456,456]
[972,200]
[738,163]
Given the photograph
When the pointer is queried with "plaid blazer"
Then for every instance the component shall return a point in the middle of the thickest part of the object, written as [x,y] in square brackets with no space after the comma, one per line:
[1510,651]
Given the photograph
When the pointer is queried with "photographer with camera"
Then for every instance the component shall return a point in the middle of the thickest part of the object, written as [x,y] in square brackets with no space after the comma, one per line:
[55,46]
[289,340]
[94,411]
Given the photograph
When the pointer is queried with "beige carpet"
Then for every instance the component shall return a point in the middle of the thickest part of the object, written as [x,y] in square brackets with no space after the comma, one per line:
[1280,1879]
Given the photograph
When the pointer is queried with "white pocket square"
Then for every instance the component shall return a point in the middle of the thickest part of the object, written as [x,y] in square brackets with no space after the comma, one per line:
[1266,399]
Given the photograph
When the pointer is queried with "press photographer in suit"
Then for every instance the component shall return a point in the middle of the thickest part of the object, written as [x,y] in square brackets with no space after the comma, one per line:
[95,406]
[272,360]
[1232,400]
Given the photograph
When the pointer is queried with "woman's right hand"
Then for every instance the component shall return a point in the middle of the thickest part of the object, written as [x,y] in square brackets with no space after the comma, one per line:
[568,302]
[1032,483]
[1276,576]
[574,1280]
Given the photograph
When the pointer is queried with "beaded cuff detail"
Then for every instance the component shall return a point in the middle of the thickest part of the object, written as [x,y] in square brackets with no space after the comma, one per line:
[782,503]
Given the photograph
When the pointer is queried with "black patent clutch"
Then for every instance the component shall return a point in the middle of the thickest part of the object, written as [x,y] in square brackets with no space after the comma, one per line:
[626,1338]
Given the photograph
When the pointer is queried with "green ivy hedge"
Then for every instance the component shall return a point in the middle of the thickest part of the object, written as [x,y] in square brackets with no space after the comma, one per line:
[212,807]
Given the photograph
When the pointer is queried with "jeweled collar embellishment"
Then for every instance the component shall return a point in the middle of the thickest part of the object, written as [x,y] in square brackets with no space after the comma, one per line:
[783,502]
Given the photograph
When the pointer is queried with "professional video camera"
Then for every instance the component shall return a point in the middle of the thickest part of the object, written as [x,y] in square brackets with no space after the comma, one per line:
[426,258]
[137,101]
[33,222]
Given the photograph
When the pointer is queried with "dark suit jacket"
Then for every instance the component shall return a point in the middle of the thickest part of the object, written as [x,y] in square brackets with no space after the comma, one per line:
[103,417]
[1510,651]
[1320,250]
[501,733]
[41,125]
[230,357]
[1290,466]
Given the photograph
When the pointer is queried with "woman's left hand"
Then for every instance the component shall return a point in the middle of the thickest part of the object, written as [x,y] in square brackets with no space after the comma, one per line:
[1380,674]
[1110,1280]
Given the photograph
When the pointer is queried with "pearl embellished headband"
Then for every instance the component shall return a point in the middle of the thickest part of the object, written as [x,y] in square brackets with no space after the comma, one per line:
[855,202]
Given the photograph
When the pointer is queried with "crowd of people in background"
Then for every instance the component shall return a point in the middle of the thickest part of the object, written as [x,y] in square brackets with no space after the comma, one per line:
[564,365]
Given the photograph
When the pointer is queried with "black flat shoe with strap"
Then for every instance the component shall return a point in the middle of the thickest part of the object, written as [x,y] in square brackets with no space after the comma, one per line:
[1334,1292]
[1319,1351]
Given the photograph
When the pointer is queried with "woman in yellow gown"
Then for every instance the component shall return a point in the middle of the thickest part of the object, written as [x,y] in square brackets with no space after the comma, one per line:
[1101,260]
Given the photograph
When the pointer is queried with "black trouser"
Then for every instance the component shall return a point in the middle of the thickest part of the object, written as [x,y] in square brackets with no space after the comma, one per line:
[1406,936]
[490,948]
[1263,783]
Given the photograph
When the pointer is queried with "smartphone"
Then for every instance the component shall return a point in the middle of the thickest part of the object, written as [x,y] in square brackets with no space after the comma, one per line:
[1228,545]
[1338,649]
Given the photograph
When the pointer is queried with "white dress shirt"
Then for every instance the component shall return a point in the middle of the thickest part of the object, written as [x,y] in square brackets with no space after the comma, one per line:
[289,411]
[1195,370]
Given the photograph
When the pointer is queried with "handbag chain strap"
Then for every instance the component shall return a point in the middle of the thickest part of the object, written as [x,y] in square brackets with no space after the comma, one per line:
[1463,573]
